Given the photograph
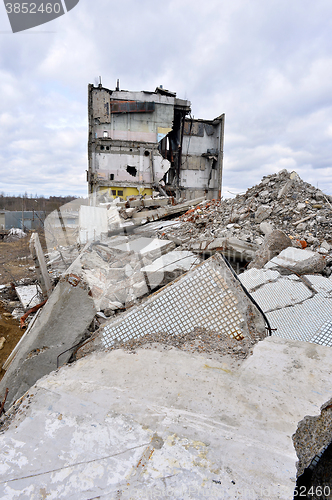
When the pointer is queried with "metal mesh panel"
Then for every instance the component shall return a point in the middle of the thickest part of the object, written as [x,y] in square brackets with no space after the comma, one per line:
[324,336]
[201,298]
[255,277]
[284,292]
[320,283]
[302,321]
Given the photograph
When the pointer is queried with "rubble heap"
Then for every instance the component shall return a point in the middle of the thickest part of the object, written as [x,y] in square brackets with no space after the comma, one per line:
[280,201]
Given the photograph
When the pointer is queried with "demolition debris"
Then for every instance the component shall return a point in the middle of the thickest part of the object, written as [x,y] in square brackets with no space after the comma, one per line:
[139,288]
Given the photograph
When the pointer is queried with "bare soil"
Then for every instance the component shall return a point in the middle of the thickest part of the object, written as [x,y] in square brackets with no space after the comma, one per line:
[10,330]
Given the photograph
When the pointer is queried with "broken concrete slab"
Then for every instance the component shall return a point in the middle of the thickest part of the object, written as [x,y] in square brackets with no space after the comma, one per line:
[29,295]
[254,278]
[175,262]
[233,247]
[272,245]
[93,223]
[298,260]
[156,422]
[284,292]
[60,325]
[297,307]
[40,265]
[144,246]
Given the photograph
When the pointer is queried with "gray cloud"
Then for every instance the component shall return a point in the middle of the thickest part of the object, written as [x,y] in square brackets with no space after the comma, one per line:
[267,65]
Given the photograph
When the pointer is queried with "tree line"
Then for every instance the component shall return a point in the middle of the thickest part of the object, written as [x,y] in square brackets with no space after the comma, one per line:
[29,203]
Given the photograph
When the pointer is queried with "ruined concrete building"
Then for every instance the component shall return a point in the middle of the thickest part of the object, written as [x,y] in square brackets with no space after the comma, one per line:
[145,141]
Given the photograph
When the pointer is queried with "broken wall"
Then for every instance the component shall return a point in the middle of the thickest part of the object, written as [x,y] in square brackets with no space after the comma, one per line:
[135,145]
[125,128]
[202,157]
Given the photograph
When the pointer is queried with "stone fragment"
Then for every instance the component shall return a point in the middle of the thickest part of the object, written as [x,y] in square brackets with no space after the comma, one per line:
[263,212]
[266,228]
[325,245]
[286,188]
[128,270]
[2,342]
[140,289]
[273,244]
[298,261]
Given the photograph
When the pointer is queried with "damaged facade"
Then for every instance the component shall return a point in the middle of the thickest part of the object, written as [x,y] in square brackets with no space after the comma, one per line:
[140,142]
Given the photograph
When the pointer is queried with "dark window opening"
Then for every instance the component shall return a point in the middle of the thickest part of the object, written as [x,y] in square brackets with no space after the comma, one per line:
[120,193]
[131,170]
[101,147]
[113,192]
[111,177]
[108,148]
[146,153]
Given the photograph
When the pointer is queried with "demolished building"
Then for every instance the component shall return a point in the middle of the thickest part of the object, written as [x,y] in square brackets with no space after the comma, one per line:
[140,142]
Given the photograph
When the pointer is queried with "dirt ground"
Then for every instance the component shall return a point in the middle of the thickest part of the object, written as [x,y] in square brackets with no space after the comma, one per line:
[15,261]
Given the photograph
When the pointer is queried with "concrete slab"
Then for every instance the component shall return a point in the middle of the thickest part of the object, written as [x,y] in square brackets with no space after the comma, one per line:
[298,260]
[157,425]
[319,283]
[254,278]
[29,295]
[93,223]
[296,307]
[144,246]
[40,264]
[60,325]
[303,321]
[283,293]
[181,261]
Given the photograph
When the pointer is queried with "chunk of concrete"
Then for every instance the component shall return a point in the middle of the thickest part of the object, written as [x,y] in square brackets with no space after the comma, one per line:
[144,246]
[272,245]
[298,260]
[236,248]
[172,262]
[40,265]
[60,325]
[29,295]
[262,213]
[266,228]
[93,223]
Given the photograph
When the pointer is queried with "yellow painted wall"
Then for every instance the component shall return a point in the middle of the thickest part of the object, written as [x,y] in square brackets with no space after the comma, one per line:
[124,192]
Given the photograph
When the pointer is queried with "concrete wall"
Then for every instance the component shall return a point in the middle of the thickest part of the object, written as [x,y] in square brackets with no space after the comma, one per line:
[200,175]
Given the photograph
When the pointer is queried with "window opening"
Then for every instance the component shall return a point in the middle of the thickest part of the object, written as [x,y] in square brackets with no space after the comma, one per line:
[131,170]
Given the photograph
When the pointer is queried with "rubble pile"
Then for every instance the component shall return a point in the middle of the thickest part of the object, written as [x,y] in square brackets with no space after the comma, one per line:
[198,341]
[281,201]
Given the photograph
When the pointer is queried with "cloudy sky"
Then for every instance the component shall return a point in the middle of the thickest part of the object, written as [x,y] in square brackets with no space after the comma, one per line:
[266,64]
